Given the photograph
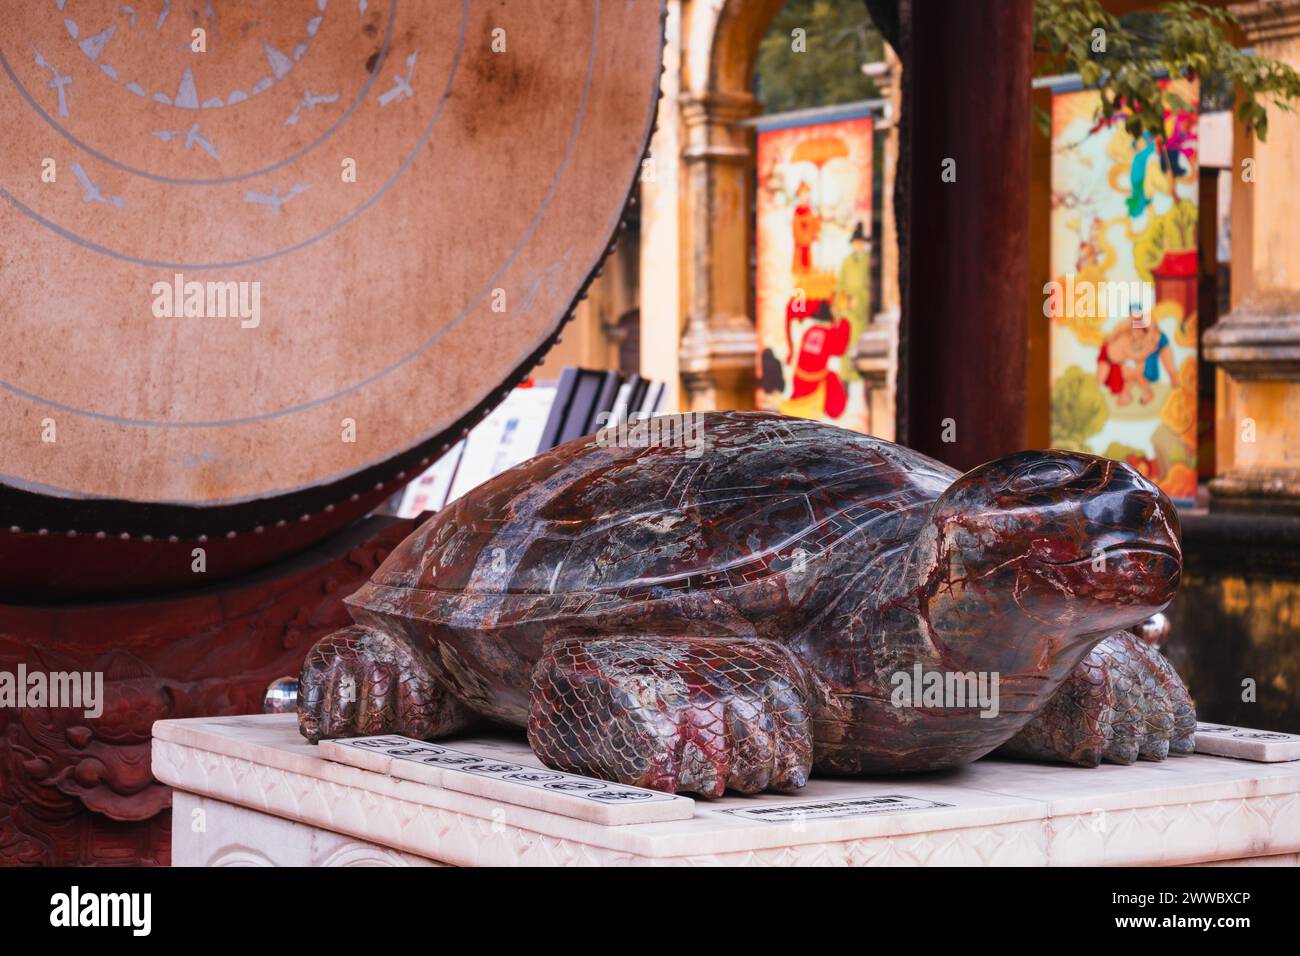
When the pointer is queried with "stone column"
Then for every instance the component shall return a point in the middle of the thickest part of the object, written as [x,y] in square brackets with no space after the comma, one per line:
[661,253]
[890,84]
[876,358]
[718,348]
[1257,344]
[876,352]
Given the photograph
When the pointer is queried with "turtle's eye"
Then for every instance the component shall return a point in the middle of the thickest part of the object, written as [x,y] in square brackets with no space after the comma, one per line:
[1041,475]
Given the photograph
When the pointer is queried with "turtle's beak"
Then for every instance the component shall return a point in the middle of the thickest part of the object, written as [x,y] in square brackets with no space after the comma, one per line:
[1130,559]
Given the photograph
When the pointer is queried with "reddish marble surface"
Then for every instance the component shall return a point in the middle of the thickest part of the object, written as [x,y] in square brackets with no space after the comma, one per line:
[740,611]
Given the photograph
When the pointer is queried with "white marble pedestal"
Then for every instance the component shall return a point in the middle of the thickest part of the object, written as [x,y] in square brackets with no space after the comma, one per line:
[250,791]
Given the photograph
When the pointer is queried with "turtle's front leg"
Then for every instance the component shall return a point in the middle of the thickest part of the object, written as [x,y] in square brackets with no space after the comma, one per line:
[1123,702]
[362,681]
[676,715]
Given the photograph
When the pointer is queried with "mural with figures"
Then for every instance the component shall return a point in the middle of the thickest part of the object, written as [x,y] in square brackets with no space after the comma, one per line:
[813,283]
[1122,295]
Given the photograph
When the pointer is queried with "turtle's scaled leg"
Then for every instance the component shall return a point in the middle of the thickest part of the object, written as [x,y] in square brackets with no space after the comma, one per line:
[674,715]
[1124,702]
[361,681]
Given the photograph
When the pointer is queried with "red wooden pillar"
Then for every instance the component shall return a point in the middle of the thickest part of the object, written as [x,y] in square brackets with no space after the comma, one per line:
[967,111]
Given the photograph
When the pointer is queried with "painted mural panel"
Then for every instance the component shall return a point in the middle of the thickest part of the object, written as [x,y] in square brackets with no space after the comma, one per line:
[813,283]
[1122,299]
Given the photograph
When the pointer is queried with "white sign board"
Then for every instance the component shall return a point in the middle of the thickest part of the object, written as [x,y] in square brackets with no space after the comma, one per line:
[567,794]
[1262,746]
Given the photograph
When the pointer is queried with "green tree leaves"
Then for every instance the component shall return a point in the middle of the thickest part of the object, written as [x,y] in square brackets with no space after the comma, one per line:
[1184,38]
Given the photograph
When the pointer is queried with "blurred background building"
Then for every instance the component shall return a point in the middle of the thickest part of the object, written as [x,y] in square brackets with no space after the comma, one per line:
[1211,227]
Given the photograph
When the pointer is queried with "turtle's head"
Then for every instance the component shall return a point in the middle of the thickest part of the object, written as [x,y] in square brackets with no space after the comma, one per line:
[1054,540]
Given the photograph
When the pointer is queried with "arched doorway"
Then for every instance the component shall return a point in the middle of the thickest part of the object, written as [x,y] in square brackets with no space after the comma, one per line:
[696,328]
[696,240]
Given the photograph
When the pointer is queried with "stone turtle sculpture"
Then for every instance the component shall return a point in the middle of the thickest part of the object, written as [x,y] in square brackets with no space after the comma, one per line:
[741,613]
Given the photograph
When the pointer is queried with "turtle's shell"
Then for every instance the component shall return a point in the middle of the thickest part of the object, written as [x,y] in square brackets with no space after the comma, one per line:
[751,533]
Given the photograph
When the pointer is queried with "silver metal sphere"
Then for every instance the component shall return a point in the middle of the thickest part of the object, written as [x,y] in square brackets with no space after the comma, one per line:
[1154,630]
[281,696]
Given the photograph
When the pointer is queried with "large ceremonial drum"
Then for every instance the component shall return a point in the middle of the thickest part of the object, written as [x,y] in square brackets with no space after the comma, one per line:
[262,261]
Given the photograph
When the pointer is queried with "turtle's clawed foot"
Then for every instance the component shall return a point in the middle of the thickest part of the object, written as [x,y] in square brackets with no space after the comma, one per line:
[361,681]
[674,715]
[1123,702]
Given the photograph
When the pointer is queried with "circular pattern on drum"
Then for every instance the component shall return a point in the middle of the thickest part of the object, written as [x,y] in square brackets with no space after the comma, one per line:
[252,249]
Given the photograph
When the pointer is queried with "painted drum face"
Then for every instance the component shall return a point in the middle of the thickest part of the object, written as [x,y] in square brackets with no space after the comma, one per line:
[317,240]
